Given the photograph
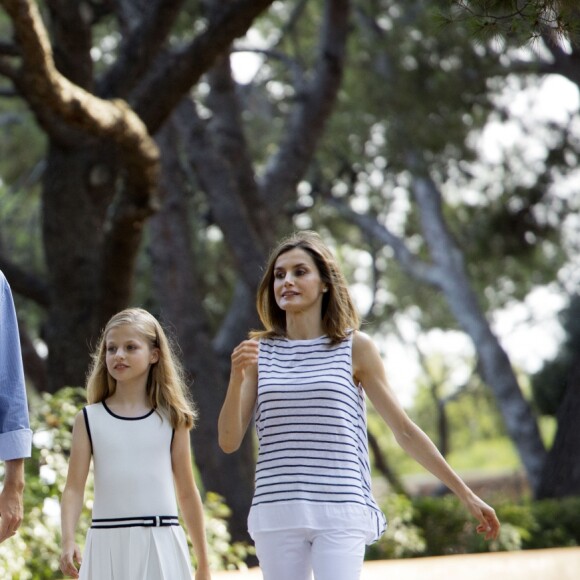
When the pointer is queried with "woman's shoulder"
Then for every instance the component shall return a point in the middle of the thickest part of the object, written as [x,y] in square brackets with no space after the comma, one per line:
[366,357]
[361,339]
[363,347]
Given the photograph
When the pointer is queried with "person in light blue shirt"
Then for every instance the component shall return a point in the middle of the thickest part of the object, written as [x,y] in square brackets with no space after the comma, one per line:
[15,433]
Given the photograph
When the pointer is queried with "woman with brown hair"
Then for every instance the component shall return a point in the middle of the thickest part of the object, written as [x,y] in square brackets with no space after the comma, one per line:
[304,378]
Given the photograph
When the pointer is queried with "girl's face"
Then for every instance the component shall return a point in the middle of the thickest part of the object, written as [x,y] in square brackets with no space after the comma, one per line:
[128,355]
[297,284]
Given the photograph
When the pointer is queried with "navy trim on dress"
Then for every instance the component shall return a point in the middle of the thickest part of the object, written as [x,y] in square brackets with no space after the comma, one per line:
[145,522]
[127,418]
[88,428]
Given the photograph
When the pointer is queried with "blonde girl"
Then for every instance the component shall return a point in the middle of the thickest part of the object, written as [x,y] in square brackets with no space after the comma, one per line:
[304,378]
[136,431]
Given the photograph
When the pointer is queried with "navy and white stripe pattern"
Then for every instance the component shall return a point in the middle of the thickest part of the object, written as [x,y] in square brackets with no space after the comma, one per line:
[146,522]
[311,426]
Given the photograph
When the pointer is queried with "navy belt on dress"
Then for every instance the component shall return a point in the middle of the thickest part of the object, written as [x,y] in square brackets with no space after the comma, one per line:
[145,522]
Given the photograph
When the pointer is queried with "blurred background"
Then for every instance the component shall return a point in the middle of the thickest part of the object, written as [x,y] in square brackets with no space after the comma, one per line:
[152,152]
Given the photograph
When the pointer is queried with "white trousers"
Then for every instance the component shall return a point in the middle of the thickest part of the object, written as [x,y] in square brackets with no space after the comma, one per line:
[296,553]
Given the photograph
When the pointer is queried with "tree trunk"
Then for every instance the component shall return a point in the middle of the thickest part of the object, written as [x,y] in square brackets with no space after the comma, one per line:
[448,273]
[176,278]
[34,365]
[561,472]
[383,466]
[442,427]
[494,364]
[73,216]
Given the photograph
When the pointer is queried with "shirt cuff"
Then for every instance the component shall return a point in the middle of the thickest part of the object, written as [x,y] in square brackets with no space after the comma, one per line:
[15,444]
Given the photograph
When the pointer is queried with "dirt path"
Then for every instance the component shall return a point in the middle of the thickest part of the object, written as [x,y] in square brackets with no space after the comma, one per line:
[555,564]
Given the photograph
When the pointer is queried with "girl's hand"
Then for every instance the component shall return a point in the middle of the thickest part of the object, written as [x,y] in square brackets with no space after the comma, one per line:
[68,557]
[485,514]
[244,356]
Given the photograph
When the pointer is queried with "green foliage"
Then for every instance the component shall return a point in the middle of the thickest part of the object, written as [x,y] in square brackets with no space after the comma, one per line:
[444,525]
[471,410]
[33,553]
[557,523]
[406,465]
[437,526]
[21,165]
[476,436]
[520,22]
[515,236]
[223,554]
[21,147]
[399,96]
[403,538]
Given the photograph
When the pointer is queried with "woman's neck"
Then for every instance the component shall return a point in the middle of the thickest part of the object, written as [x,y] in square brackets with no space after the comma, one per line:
[299,328]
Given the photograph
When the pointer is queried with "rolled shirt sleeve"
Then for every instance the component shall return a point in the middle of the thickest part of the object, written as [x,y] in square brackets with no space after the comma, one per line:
[15,433]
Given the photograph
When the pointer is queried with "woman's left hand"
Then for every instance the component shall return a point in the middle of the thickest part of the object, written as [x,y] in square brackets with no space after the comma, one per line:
[485,514]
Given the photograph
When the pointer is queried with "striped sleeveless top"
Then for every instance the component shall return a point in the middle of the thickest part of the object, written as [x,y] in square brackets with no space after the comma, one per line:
[313,463]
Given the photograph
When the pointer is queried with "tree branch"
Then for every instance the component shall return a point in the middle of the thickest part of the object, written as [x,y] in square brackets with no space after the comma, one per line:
[442,246]
[315,103]
[373,230]
[181,69]
[219,182]
[463,302]
[565,64]
[9,49]
[25,284]
[383,466]
[296,70]
[7,69]
[44,87]
[6,93]
[226,133]
[139,47]
[71,37]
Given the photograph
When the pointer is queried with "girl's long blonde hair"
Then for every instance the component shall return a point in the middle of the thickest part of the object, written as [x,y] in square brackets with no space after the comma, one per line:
[166,385]
[339,316]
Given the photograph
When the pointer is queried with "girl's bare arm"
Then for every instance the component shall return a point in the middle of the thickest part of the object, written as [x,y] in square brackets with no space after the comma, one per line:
[73,496]
[189,500]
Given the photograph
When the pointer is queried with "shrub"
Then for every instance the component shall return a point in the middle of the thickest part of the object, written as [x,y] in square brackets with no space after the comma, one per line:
[33,553]
[437,526]
[557,523]
[403,539]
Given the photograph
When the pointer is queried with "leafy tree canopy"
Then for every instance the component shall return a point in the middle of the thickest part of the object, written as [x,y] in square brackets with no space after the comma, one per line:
[522,21]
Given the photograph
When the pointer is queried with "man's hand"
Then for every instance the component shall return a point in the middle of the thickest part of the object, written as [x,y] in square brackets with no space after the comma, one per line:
[11,508]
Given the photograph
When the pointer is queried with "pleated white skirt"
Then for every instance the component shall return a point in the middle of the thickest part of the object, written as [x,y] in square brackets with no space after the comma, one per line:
[136,553]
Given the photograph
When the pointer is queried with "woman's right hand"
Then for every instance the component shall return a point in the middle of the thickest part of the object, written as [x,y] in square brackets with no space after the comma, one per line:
[241,395]
[245,355]
[69,555]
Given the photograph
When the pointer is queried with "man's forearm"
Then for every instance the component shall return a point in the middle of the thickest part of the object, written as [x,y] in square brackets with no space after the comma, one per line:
[14,475]
[11,498]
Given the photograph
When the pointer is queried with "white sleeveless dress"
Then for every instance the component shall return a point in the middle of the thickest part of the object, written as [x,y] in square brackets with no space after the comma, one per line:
[135,533]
